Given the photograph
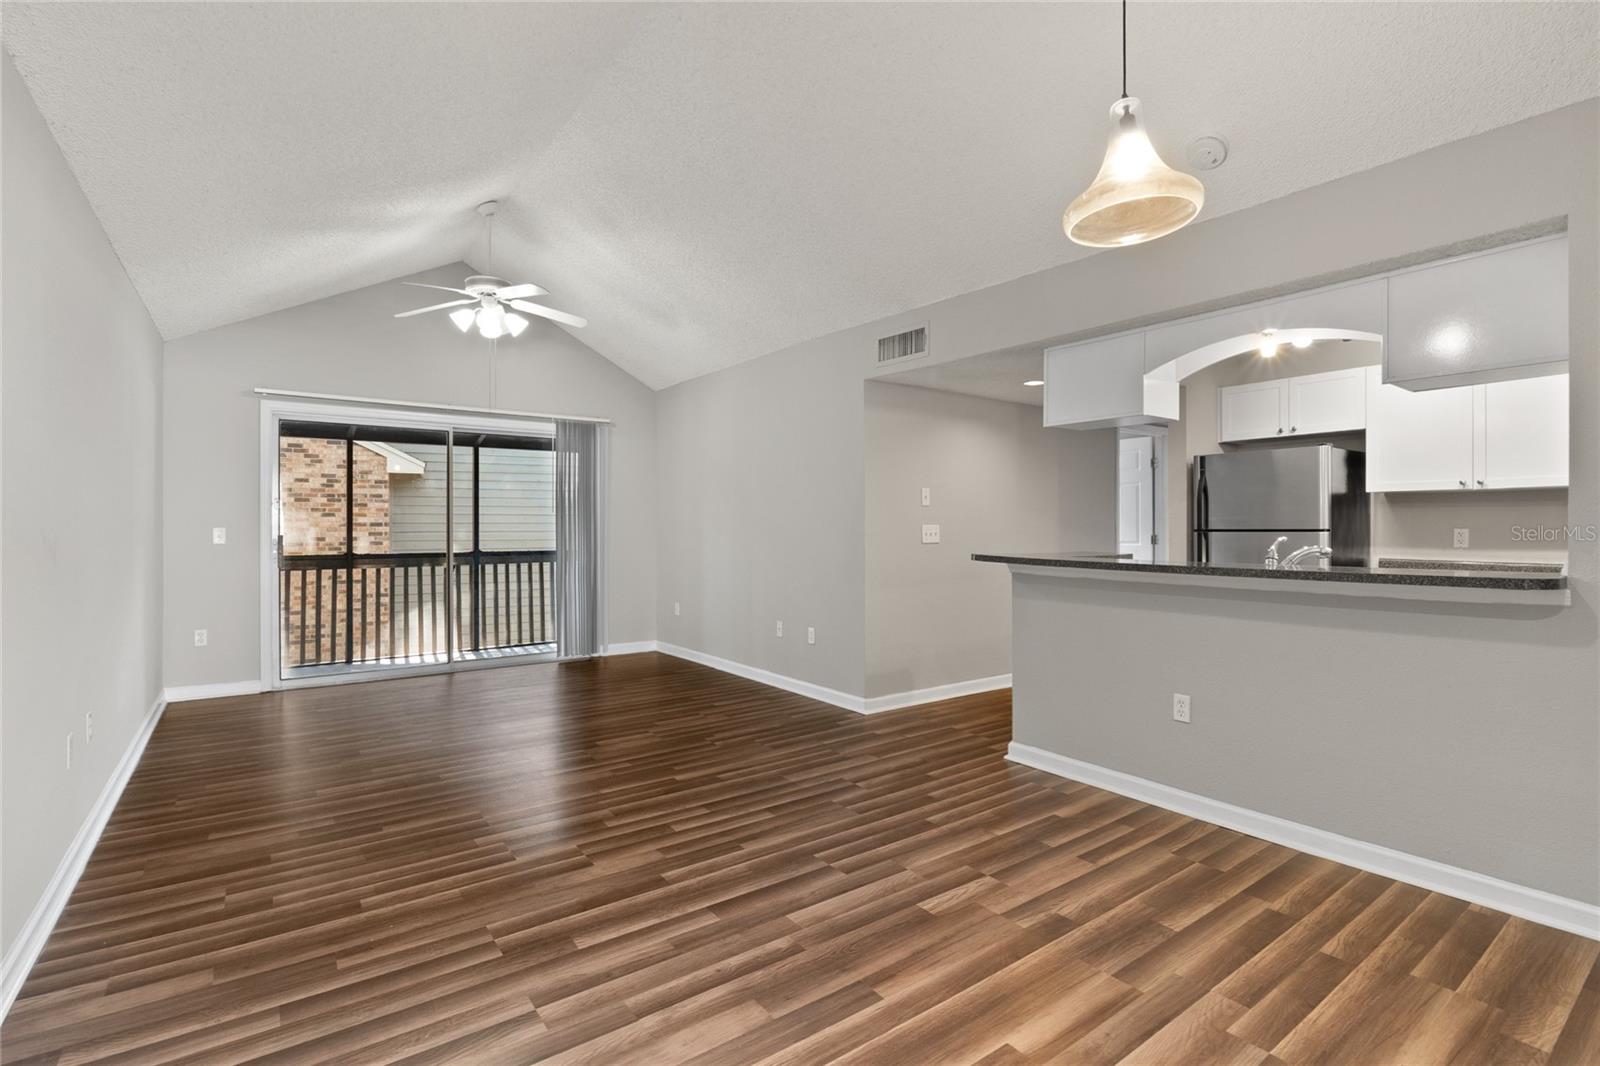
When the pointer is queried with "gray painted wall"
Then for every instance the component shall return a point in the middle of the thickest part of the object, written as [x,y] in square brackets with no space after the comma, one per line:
[351,345]
[768,454]
[998,479]
[1464,735]
[80,538]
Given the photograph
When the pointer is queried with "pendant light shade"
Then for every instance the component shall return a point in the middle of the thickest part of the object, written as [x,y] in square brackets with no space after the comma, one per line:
[1136,197]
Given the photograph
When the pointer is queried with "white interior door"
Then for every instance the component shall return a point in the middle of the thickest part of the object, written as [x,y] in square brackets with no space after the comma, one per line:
[1135,497]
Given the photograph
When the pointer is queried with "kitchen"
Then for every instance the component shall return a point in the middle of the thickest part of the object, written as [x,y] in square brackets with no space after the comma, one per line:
[1364,420]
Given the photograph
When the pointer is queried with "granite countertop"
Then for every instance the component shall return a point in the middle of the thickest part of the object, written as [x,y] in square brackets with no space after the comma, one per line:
[1418,573]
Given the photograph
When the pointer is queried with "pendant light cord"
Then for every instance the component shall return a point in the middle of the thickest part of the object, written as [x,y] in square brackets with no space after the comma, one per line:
[1124,49]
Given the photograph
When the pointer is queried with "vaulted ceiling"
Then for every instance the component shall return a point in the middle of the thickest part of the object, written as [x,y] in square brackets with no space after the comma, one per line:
[711,183]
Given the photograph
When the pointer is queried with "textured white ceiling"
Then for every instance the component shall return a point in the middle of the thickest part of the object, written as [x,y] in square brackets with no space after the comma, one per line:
[710,183]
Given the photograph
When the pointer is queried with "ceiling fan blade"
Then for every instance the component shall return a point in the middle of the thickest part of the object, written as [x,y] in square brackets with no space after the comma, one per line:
[550,313]
[435,307]
[517,292]
[446,288]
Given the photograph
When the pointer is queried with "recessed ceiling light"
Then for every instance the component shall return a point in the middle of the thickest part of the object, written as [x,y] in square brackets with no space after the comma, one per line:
[1033,384]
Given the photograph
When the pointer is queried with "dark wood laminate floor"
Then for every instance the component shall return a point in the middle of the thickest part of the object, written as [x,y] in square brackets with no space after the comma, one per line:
[641,860]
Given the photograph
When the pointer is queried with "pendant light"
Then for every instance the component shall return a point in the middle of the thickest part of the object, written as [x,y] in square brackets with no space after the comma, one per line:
[1136,197]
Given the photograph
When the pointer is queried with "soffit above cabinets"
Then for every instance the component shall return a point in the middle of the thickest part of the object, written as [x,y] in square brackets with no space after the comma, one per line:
[1489,316]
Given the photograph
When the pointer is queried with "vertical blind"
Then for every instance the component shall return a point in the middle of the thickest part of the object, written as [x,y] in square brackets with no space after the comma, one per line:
[579,568]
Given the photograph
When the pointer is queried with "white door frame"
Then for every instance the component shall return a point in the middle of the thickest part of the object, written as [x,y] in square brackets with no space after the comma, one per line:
[274,411]
[1158,483]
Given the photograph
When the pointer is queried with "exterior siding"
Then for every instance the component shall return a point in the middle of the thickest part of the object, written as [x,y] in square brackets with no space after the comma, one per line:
[518,506]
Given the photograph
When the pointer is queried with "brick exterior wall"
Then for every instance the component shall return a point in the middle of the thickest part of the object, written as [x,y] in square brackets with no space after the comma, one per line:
[311,487]
[311,479]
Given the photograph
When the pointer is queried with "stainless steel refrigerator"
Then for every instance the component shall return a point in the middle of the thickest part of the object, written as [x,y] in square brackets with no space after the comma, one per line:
[1243,501]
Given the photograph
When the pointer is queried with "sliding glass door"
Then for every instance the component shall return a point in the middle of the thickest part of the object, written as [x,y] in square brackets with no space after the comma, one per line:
[411,546]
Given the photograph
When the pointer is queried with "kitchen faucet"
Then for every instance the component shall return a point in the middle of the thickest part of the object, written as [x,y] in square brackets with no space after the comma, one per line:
[1300,553]
[1271,560]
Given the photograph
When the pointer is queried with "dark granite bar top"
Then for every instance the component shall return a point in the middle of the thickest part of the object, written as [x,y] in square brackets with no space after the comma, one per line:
[1419,573]
[1464,564]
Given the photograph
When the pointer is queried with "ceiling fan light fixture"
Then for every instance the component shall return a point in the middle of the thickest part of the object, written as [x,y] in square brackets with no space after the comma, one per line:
[515,324]
[463,318]
[491,321]
[1135,197]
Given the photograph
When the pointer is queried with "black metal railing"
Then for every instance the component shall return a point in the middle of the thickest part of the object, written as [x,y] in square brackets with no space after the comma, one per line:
[391,607]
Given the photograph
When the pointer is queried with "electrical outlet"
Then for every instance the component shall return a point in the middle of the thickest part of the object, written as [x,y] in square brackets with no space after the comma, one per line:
[219,535]
[69,751]
[1460,538]
[780,627]
[930,534]
[1180,707]
[199,638]
[927,497]
[811,634]
[88,727]
[677,608]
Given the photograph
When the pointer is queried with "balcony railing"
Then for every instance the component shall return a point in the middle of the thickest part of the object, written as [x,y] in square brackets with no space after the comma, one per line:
[391,608]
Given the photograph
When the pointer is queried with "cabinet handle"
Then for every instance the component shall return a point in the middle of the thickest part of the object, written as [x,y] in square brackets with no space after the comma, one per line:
[1463,484]
[1294,429]
[1280,429]
[1480,481]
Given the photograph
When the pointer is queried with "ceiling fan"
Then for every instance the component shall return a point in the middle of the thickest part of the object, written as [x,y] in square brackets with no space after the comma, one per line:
[493,296]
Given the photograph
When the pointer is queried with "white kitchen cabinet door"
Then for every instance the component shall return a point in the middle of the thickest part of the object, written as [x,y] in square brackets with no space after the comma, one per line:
[1333,402]
[1254,411]
[1481,318]
[1418,441]
[1522,434]
[1102,383]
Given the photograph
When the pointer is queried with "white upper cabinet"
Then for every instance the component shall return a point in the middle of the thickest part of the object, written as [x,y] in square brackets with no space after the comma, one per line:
[1522,439]
[1250,412]
[1480,318]
[1504,435]
[1331,402]
[1417,441]
[1102,383]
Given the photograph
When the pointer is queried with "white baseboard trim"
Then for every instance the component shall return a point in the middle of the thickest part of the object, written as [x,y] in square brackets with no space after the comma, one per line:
[894,701]
[36,930]
[858,704]
[1536,905]
[767,677]
[184,693]
[633,647]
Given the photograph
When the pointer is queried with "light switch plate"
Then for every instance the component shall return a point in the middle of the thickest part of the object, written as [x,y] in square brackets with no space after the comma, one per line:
[930,533]
[780,627]
[811,634]
[219,535]
[927,497]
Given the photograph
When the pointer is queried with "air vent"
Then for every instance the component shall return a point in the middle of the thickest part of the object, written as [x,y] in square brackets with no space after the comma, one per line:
[907,345]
